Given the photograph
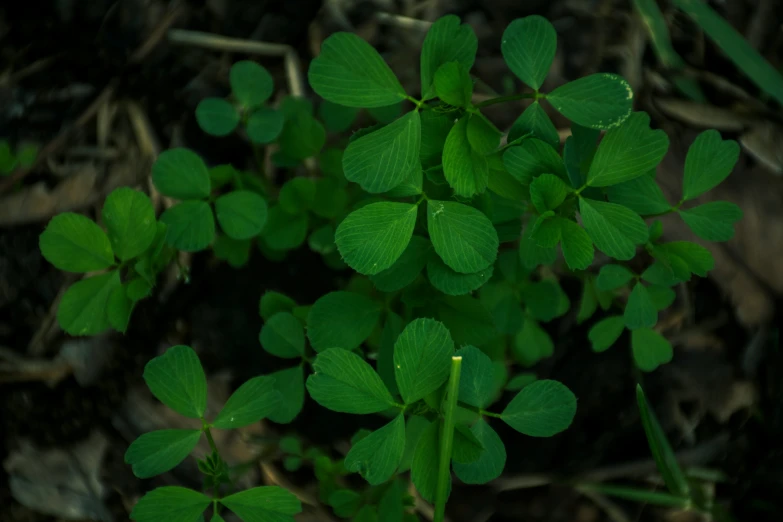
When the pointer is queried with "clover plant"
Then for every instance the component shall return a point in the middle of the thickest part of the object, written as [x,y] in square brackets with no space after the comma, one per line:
[452,229]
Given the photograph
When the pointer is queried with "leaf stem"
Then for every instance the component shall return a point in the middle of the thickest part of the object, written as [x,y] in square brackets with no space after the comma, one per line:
[504,99]
[447,440]
[211,441]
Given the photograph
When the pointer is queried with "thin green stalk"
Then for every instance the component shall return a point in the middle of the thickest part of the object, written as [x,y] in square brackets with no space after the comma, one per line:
[504,99]
[447,440]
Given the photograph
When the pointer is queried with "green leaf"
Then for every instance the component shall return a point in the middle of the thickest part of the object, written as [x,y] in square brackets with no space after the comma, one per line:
[650,349]
[424,468]
[642,195]
[532,158]
[290,385]
[422,358]
[451,282]
[235,252]
[170,503]
[337,118]
[377,456]
[535,121]
[615,229]
[372,238]
[251,402]
[709,161]
[542,299]
[483,136]
[284,231]
[241,214]
[159,451]
[490,464]
[528,47]
[606,332]
[181,174]
[265,124]
[713,221]
[695,258]
[627,151]
[264,504]
[531,254]
[74,243]
[453,84]
[342,381]
[467,319]
[283,336]
[465,170]
[387,113]
[251,83]
[392,328]
[640,312]
[407,267]
[137,289]
[661,296]
[476,383]
[384,158]
[391,506]
[414,428]
[547,192]
[350,72]
[302,136]
[272,303]
[532,344]
[466,448]
[597,101]
[297,195]
[541,409]
[576,244]
[612,277]
[462,236]
[216,116]
[82,309]
[177,379]
[130,222]
[190,226]
[119,308]
[435,128]
[345,502]
[447,41]
[321,240]
[341,320]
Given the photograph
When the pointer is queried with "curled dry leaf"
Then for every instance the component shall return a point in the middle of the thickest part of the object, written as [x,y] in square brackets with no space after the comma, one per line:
[764,141]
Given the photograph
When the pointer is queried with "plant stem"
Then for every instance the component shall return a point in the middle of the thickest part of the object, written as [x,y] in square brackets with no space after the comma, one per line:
[447,440]
[504,99]
[211,441]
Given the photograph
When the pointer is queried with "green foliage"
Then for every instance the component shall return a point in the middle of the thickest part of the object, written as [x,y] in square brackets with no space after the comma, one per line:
[528,47]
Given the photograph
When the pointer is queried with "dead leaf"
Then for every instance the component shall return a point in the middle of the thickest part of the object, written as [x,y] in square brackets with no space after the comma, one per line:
[702,115]
[36,203]
[764,141]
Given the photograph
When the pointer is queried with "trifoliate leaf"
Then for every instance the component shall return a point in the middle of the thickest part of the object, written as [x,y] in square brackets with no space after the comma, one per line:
[547,192]
[532,158]
[171,503]
[130,222]
[119,308]
[264,504]
[372,238]
[490,464]
[424,468]
[615,229]
[453,84]
[272,303]
[297,195]
[451,282]
[422,358]
[467,319]
[476,383]
[337,118]
[283,336]
[597,101]
[74,243]
[382,159]
[265,124]
[642,195]
[483,136]
[349,71]
[284,231]
[290,384]
[342,381]
[628,151]
[190,226]
[532,344]
[83,307]
[377,456]
[611,277]
[341,320]
[177,379]
[157,452]
[709,161]
[528,47]
[181,174]
[216,116]
[541,409]
[713,221]
[606,332]
[137,289]
[462,236]
[251,83]
[241,214]
[640,312]
[576,244]
[250,403]
[650,349]
[535,121]
[447,41]
[466,171]
[407,267]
